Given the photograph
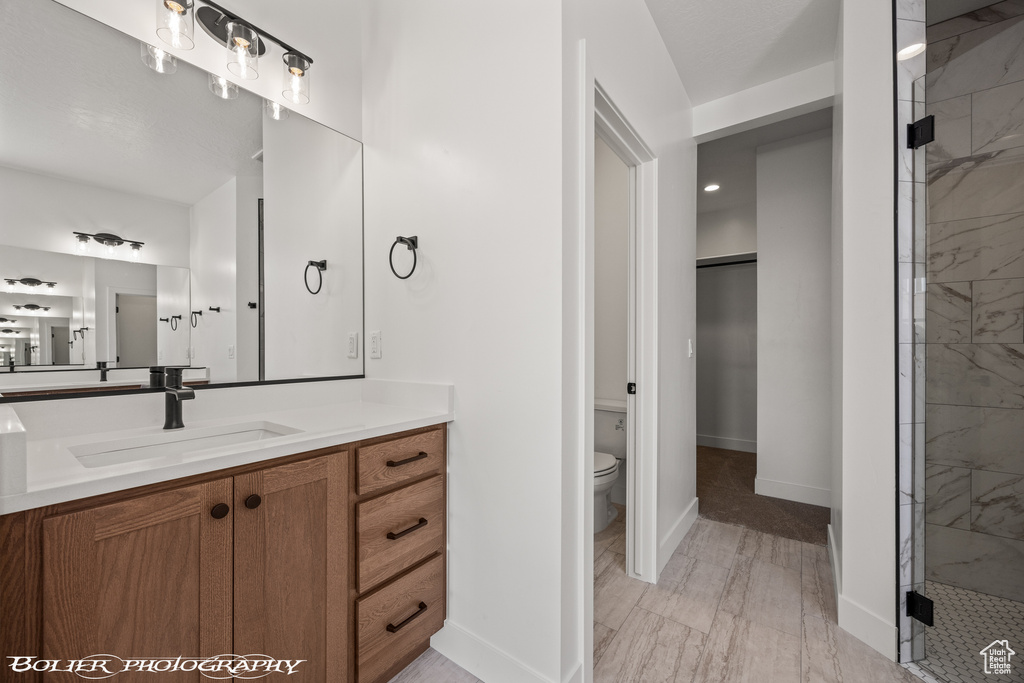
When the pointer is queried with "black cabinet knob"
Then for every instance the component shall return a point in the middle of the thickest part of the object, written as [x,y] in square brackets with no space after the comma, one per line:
[253,501]
[220,511]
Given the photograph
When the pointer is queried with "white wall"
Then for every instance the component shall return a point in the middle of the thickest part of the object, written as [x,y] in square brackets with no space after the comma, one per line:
[33,219]
[794,354]
[611,273]
[172,298]
[727,362]
[863,453]
[462,120]
[328,31]
[313,211]
[727,231]
[212,244]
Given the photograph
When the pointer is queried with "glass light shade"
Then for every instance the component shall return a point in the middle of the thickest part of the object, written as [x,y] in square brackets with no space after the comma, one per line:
[296,78]
[275,110]
[175,23]
[136,250]
[83,242]
[243,51]
[222,87]
[158,60]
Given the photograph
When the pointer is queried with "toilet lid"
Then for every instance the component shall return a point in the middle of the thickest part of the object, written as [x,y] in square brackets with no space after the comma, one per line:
[603,461]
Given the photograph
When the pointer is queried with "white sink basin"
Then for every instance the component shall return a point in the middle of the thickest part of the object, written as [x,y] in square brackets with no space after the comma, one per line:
[184,442]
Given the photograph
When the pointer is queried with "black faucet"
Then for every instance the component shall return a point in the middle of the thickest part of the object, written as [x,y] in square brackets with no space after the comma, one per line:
[175,394]
[101,365]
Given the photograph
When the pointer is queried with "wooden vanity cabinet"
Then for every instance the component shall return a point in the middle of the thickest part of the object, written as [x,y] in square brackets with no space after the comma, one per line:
[257,559]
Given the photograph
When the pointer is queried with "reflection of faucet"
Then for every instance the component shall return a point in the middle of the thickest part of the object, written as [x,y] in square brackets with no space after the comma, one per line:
[621,424]
[175,394]
[101,365]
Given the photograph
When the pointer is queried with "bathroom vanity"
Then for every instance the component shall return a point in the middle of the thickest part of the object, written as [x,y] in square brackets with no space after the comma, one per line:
[333,553]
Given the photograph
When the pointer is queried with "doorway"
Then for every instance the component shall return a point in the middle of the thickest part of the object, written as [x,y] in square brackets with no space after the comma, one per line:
[60,336]
[136,345]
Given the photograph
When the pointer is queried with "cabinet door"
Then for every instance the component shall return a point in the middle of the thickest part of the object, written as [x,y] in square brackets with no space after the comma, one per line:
[148,577]
[290,580]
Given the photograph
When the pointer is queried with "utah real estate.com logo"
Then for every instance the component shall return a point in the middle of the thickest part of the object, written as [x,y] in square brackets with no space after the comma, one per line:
[997,657]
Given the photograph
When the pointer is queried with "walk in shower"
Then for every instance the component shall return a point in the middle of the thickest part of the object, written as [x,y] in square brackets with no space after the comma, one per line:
[961,273]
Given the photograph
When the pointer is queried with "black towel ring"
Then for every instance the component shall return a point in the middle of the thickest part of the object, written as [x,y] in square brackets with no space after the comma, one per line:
[174,321]
[320,266]
[412,243]
[195,318]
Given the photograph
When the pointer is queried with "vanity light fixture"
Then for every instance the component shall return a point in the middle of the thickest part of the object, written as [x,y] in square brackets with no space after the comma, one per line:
[158,60]
[10,331]
[911,51]
[296,77]
[108,240]
[222,87]
[7,320]
[713,187]
[32,307]
[246,43]
[12,283]
[274,110]
[175,23]
[243,50]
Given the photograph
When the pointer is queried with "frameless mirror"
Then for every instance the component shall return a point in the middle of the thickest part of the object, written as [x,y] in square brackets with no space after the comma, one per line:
[179,227]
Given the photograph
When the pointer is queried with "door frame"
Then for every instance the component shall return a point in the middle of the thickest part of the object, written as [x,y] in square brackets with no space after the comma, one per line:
[642,408]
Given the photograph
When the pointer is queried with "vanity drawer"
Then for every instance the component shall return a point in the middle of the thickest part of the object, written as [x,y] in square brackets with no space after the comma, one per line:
[413,608]
[393,462]
[398,529]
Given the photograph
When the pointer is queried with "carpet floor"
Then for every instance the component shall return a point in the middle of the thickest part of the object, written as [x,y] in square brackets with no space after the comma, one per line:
[725,487]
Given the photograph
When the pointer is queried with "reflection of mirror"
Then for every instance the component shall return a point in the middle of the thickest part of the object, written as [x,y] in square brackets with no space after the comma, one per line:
[99,310]
[99,143]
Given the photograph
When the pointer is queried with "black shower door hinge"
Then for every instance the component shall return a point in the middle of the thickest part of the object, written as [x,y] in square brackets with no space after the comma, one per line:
[920,608]
[920,132]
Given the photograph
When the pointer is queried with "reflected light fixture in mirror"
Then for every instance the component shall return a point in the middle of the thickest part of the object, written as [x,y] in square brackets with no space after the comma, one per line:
[275,110]
[108,240]
[175,24]
[296,77]
[223,88]
[158,60]
[713,187]
[243,50]
[911,51]
[12,283]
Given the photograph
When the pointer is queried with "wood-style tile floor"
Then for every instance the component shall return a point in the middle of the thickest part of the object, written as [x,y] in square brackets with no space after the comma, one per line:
[733,605]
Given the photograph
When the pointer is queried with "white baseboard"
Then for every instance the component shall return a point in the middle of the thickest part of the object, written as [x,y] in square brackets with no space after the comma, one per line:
[833,559]
[868,627]
[796,492]
[480,658]
[674,537]
[727,443]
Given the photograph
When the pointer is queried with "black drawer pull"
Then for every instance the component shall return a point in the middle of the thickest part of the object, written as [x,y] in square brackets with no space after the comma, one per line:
[394,629]
[422,523]
[253,501]
[220,511]
[399,463]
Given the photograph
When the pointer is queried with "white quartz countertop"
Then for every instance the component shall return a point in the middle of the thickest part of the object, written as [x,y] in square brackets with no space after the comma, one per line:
[53,473]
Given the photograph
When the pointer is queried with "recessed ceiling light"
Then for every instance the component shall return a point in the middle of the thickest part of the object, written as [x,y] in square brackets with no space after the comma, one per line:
[911,51]
[711,188]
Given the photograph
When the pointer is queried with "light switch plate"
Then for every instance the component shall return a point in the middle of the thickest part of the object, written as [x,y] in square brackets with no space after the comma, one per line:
[353,345]
[375,344]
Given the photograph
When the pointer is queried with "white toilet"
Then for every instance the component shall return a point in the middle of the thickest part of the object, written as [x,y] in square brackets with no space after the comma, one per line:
[606,471]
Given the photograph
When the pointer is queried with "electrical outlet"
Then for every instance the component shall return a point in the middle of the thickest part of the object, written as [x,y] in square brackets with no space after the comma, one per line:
[231,350]
[353,345]
[375,351]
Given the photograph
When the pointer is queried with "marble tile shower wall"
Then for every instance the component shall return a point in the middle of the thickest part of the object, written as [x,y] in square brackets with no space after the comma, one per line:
[974,331]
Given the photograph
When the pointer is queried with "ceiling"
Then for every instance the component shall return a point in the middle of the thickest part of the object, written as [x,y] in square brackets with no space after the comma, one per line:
[732,161]
[82,106]
[720,48]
